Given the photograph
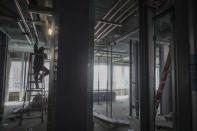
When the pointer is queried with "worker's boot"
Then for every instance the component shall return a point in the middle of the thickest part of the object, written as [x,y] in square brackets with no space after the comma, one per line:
[37,86]
[41,77]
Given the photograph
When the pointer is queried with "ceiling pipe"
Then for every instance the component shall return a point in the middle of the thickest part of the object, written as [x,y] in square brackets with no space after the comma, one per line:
[23,31]
[27,29]
[116,20]
[108,13]
[130,13]
[110,23]
[34,27]
[113,15]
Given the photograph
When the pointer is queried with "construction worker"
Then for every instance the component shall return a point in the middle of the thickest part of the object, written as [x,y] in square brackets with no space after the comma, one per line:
[39,64]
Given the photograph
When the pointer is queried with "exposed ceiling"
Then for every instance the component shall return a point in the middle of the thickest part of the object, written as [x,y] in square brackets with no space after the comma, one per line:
[117,24]
[22,26]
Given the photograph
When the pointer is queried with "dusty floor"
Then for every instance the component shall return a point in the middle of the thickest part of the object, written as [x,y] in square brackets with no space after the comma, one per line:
[36,125]
[120,111]
[120,108]
[102,128]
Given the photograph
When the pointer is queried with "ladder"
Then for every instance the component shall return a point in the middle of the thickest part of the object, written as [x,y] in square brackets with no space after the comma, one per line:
[31,93]
[162,82]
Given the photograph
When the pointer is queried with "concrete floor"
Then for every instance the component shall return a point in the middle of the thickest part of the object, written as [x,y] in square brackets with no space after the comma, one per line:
[27,125]
[120,111]
[102,128]
[120,108]
[36,125]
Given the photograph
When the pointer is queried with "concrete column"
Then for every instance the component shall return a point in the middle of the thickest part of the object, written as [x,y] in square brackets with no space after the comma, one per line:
[147,83]
[193,58]
[180,69]
[3,60]
[74,88]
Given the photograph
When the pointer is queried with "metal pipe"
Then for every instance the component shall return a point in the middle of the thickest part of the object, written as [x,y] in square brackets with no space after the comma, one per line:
[23,31]
[113,15]
[23,19]
[110,23]
[34,27]
[120,22]
[127,10]
[117,19]
[108,13]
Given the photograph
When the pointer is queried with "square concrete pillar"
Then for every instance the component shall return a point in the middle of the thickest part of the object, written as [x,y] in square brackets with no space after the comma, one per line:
[74,21]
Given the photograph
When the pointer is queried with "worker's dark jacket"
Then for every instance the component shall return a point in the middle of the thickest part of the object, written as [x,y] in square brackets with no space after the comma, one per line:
[39,59]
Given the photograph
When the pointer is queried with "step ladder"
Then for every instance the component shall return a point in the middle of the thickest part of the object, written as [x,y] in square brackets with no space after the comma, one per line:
[31,93]
[162,82]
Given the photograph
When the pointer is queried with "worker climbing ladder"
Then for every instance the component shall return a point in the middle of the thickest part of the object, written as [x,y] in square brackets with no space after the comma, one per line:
[162,82]
[30,104]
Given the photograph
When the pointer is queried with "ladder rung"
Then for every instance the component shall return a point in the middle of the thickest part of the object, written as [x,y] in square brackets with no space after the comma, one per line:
[32,117]
[34,90]
[37,95]
[33,74]
[35,81]
[36,109]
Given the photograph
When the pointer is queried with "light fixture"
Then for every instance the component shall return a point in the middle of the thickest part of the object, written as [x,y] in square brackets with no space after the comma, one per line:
[50,31]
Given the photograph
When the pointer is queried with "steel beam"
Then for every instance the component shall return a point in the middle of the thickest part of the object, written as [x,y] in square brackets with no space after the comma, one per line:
[146,65]
[3,61]
[182,105]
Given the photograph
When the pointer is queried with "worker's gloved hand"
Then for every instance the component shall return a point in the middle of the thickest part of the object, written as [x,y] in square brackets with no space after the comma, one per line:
[36,47]
[36,43]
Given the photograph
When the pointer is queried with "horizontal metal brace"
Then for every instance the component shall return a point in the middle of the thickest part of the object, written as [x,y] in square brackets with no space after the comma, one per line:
[110,23]
[41,10]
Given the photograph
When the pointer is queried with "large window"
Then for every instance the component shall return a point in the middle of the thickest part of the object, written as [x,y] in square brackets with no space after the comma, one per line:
[15,76]
[100,76]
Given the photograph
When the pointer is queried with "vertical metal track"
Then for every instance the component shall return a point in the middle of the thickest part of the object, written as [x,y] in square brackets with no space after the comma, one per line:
[107,99]
[111,83]
[137,80]
[98,81]
[131,76]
